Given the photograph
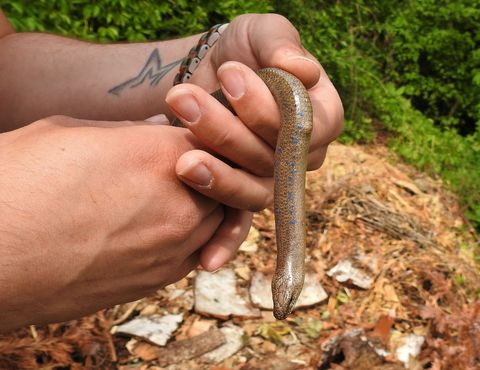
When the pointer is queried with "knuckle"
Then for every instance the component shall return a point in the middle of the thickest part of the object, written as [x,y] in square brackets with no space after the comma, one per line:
[222,139]
[280,19]
[178,228]
[156,159]
[263,197]
[266,200]
[315,163]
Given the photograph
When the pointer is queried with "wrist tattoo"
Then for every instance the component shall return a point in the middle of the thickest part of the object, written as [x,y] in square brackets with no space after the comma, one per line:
[152,72]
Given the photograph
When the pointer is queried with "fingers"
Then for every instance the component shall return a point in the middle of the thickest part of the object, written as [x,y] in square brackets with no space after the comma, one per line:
[202,236]
[217,180]
[231,233]
[216,127]
[251,99]
[258,110]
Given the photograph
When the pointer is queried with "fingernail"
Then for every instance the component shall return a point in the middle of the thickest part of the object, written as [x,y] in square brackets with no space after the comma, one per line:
[213,269]
[215,265]
[232,80]
[196,172]
[295,56]
[184,104]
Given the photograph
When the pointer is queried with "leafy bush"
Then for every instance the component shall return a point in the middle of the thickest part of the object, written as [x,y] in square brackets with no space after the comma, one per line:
[125,20]
[435,56]
[414,69]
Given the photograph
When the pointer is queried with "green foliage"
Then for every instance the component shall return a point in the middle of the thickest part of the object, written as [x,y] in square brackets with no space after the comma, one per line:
[415,70]
[125,20]
[434,53]
[412,70]
[274,332]
[311,327]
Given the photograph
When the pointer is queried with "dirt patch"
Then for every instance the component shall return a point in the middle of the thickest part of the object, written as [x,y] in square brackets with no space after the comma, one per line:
[395,225]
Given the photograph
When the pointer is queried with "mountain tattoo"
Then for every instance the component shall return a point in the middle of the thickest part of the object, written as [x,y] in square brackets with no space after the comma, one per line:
[152,72]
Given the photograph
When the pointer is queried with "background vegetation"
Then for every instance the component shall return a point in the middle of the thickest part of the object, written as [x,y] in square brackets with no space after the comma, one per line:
[409,73]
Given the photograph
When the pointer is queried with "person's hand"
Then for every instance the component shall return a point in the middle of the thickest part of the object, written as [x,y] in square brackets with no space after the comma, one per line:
[249,43]
[93,214]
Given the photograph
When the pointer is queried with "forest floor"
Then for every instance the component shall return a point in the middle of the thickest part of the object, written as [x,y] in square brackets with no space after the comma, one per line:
[387,244]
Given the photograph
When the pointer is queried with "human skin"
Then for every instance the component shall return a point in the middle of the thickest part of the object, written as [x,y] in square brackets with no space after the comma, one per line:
[75,218]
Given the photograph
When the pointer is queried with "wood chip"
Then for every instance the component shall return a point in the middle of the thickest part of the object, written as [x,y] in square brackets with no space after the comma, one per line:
[190,348]
[250,244]
[243,272]
[147,352]
[200,326]
[233,343]
[408,186]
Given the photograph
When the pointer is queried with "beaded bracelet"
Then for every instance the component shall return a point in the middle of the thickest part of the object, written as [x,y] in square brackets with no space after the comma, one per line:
[198,52]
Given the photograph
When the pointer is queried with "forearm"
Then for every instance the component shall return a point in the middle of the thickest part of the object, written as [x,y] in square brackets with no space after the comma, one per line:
[45,75]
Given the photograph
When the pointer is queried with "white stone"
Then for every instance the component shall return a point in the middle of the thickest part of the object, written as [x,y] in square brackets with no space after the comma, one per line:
[345,270]
[411,347]
[156,329]
[216,295]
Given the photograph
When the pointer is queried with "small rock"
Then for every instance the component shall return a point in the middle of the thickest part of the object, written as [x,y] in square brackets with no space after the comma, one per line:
[261,291]
[156,329]
[217,295]
[176,293]
[233,343]
[149,310]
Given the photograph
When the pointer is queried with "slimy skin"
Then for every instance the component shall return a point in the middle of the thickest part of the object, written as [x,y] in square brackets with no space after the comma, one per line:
[289,191]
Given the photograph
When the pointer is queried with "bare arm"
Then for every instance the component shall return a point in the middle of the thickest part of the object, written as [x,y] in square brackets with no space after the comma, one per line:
[43,75]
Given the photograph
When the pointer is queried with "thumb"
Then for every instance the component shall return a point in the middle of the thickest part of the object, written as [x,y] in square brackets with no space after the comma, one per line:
[276,43]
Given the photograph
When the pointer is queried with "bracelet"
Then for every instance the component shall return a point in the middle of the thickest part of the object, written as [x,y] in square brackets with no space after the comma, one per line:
[197,53]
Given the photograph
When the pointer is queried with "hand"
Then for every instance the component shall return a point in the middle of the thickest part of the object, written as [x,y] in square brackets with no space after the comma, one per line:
[252,41]
[93,214]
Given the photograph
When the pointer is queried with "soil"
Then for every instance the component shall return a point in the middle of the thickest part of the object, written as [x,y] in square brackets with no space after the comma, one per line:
[397,225]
